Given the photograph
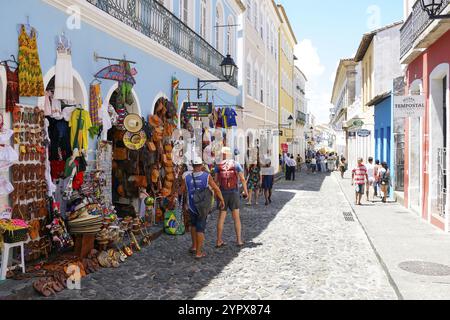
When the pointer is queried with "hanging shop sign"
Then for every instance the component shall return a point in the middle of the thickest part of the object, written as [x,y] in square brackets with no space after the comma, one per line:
[285,147]
[409,106]
[363,133]
[352,134]
[358,123]
[198,109]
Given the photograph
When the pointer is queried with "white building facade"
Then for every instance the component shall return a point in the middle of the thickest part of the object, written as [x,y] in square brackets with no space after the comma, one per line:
[258,65]
[300,111]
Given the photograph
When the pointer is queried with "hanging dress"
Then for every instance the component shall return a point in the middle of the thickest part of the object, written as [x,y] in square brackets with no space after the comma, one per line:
[64,73]
[31,83]
[12,88]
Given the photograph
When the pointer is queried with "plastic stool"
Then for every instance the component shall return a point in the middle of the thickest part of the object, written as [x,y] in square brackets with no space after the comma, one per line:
[7,259]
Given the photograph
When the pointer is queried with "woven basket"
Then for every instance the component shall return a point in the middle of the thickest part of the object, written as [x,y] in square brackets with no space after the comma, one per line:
[15,236]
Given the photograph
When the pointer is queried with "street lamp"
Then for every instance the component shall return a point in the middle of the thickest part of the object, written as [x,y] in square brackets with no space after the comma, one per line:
[290,122]
[228,67]
[433,7]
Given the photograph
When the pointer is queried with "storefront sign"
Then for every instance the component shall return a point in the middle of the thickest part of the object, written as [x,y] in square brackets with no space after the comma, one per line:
[352,134]
[198,109]
[409,106]
[285,147]
[363,133]
[358,123]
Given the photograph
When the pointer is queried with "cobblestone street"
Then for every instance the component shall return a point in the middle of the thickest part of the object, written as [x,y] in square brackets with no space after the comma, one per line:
[301,247]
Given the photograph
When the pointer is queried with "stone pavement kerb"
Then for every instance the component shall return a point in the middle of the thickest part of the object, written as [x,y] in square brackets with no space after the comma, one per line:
[404,241]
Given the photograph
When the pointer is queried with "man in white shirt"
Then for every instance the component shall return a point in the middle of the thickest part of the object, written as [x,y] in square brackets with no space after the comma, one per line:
[292,164]
[371,174]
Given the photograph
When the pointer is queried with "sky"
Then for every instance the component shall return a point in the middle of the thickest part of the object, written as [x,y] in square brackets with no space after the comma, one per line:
[329,30]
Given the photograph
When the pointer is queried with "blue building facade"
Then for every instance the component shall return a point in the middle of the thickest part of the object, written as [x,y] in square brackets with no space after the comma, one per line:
[144,31]
[384,134]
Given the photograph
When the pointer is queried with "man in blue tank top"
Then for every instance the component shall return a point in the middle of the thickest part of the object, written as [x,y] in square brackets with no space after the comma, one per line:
[202,181]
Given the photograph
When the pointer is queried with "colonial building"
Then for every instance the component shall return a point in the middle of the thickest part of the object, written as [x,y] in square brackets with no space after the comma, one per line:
[258,63]
[343,97]
[161,39]
[301,109]
[425,51]
[377,56]
[287,43]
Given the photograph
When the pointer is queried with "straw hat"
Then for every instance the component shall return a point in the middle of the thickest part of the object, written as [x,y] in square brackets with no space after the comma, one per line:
[133,123]
[135,141]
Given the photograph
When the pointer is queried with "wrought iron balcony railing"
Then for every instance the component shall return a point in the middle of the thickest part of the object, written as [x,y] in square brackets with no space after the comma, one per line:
[415,25]
[152,19]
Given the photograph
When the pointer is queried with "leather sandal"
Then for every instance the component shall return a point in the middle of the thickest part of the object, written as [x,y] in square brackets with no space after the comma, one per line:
[43,287]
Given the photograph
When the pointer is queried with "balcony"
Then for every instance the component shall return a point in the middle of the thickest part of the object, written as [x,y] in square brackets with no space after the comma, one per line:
[417,22]
[152,19]
[301,118]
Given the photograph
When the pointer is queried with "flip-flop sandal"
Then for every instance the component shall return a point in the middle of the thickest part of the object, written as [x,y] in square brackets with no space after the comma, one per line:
[240,245]
[204,255]
[221,245]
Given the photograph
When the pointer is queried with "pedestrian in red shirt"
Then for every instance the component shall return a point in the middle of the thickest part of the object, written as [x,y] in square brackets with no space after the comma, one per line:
[359,178]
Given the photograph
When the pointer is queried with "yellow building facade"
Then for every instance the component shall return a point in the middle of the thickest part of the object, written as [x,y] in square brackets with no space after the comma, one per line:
[287,43]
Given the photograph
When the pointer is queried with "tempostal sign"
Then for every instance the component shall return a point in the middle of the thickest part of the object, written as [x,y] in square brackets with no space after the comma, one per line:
[409,106]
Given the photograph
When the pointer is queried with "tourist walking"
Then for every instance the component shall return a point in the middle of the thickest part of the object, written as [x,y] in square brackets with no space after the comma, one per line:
[371,177]
[323,163]
[359,180]
[343,166]
[198,184]
[331,162]
[253,182]
[377,179]
[267,172]
[228,172]
[308,165]
[313,165]
[293,166]
[299,163]
[385,180]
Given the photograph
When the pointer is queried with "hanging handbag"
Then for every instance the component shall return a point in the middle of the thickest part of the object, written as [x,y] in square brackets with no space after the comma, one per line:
[120,154]
[140,181]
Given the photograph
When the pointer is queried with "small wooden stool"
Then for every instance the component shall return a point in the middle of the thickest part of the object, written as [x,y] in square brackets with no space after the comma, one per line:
[84,243]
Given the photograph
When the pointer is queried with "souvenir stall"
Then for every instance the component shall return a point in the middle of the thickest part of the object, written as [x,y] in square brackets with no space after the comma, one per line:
[66,181]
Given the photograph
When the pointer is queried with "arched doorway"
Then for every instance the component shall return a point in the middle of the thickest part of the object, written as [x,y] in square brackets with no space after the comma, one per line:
[125,164]
[60,148]
[439,140]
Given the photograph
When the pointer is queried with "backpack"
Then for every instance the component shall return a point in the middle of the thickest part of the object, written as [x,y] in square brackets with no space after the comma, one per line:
[228,177]
[203,200]
[385,179]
